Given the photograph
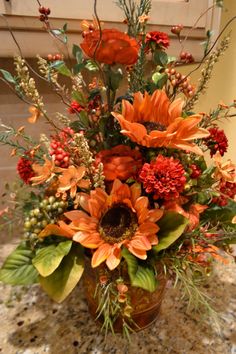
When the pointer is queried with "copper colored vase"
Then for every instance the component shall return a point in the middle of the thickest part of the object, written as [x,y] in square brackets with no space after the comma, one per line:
[146,305]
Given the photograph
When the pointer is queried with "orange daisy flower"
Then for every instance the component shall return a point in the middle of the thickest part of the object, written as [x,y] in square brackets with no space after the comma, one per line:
[114,47]
[224,170]
[72,178]
[112,221]
[43,173]
[119,162]
[154,121]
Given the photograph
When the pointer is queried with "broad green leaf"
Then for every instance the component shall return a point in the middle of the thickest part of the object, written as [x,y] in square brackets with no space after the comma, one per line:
[48,259]
[91,65]
[84,119]
[171,59]
[159,79]
[140,276]
[8,76]
[223,214]
[60,283]
[61,67]
[18,268]
[79,97]
[77,53]
[160,57]
[172,226]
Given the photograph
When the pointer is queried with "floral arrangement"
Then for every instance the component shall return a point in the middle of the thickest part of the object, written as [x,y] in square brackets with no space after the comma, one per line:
[121,181]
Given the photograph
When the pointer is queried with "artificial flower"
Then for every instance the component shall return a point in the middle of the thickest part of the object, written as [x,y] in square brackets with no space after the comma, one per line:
[158,39]
[43,173]
[164,177]
[35,114]
[217,141]
[120,162]
[114,47]
[75,107]
[121,219]
[224,170]
[71,178]
[25,170]
[154,121]
[192,214]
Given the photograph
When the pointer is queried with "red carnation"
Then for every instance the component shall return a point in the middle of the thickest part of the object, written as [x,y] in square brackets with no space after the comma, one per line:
[164,177]
[217,141]
[156,38]
[24,169]
[75,107]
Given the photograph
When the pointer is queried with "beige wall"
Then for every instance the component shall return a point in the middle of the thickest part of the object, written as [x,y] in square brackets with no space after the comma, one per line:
[223,83]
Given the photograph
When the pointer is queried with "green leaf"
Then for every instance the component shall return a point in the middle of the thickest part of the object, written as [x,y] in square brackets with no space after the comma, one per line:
[48,259]
[78,67]
[172,226]
[18,268]
[160,57]
[61,67]
[8,76]
[171,59]
[140,276]
[159,79]
[114,78]
[65,27]
[223,214]
[79,97]
[84,119]
[91,65]
[78,54]
[59,284]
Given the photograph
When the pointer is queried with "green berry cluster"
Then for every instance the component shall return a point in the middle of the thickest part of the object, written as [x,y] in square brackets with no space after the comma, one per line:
[45,213]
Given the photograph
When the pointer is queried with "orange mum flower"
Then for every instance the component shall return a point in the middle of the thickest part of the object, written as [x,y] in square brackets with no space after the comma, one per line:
[120,162]
[112,221]
[115,47]
[154,121]
[224,170]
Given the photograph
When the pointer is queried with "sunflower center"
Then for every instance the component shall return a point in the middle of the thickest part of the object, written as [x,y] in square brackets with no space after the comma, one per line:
[150,126]
[118,223]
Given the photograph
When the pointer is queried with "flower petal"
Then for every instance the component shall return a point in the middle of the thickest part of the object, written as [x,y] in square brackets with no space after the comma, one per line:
[101,254]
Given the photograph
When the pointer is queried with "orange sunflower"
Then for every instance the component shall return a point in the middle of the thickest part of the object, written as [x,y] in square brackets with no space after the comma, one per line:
[112,221]
[154,121]
[114,47]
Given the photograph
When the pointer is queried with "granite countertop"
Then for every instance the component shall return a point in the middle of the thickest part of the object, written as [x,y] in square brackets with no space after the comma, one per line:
[33,324]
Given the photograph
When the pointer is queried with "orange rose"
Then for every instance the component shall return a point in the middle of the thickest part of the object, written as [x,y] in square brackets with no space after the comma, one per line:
[114,47]
[120,162]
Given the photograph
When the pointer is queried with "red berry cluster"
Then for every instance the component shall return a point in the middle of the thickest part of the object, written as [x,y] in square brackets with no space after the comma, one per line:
[177,29]
[45,12]
[217,141]
[55,57]
[228,190]
[24,169]
[91,28]
[179,81]
[59,144]
[75,107]
[186,57]
[195,171]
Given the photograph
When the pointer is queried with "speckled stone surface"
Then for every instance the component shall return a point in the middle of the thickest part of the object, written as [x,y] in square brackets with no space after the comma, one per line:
[32,324]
